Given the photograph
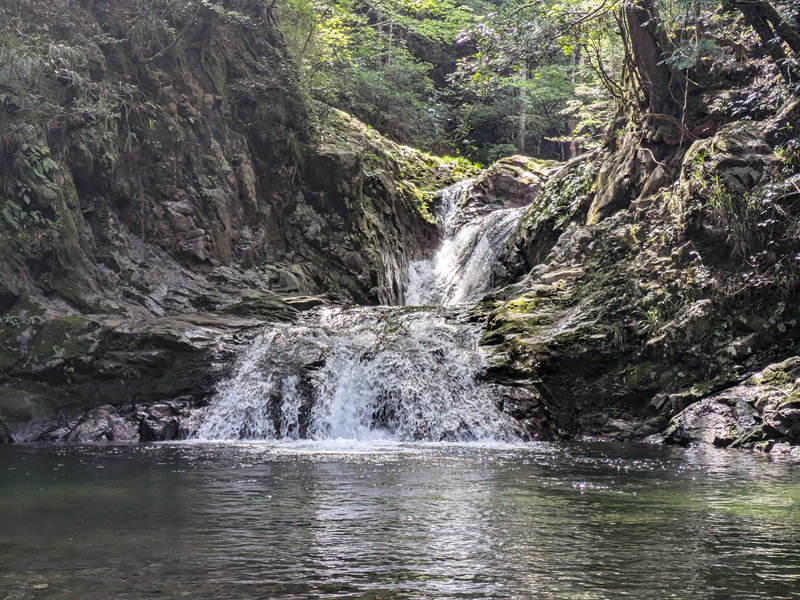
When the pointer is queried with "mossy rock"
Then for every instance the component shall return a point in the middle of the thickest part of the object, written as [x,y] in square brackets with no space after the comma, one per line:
[19,407]
[781,374]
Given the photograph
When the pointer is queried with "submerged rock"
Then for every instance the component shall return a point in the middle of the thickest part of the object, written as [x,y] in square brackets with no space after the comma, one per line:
[164,421]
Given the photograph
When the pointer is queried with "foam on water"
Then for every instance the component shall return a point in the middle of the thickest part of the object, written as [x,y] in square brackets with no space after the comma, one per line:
[365,374]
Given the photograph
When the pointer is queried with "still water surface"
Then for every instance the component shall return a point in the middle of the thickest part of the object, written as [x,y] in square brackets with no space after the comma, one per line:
[339,520]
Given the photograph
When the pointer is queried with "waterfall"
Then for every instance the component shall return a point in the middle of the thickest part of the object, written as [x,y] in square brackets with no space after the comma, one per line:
[466,266]
[364,373]
[397,373]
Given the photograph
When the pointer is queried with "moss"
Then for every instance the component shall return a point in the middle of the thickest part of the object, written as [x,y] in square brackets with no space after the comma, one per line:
[423,201]
[418,175]
[14,407]
[790,401]
[523,304]
[562,198]
[18,407]
[782,374]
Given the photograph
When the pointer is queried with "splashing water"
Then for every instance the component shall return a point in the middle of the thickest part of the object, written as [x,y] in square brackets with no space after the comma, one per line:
[465,267]
[403,374]
[366,374]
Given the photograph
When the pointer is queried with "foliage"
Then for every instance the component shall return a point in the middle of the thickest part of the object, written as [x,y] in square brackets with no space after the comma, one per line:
[358,56]
[539,78]
[38,168]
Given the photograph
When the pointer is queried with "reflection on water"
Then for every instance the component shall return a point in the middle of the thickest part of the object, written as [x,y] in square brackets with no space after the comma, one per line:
[339,520]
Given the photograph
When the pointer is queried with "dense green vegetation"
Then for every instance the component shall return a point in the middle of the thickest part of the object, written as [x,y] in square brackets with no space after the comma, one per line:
[484,79]
[544,77]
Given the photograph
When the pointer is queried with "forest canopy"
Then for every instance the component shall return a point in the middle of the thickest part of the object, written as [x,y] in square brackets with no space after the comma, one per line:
[478,79]
[542,77]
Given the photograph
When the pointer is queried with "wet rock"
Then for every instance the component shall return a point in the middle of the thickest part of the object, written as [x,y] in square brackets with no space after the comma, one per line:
[166,421]
[781,449]
[620,428]
[302,303]
[719,421]
[526,405]
[766,407]
[21,408]
[263,305]
[102,361]
[290,282]
[8,297]
[561,205]
[783,415]
[5,434]
[510,182]
[105,424]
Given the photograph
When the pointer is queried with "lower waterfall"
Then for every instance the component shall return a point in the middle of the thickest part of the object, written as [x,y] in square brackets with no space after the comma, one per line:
[365,373]
[397,373]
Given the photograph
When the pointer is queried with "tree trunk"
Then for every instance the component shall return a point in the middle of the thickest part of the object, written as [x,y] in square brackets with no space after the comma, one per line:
[389,49]
[648,55]
[763,17]
[379,33]
[788,33]
[522,110]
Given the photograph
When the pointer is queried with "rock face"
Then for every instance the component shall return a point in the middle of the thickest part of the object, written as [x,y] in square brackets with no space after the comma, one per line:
[761,412]
[5,434]
[510,182]
[123,372]
[211,192]
[220,198]
[643,303]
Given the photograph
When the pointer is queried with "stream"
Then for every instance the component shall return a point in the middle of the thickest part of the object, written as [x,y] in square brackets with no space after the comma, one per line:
[391,520]
[358,453]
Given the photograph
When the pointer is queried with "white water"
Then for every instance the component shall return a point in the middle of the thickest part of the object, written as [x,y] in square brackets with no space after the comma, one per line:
[465,266]
[381,374]
[363,374]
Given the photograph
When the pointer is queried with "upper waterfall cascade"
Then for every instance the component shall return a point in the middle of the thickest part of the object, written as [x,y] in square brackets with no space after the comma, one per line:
[465,267]
[394,373]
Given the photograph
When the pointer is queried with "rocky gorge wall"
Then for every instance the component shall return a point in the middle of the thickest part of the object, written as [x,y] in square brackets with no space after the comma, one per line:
[650,290]
[181,190]
[653,286]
